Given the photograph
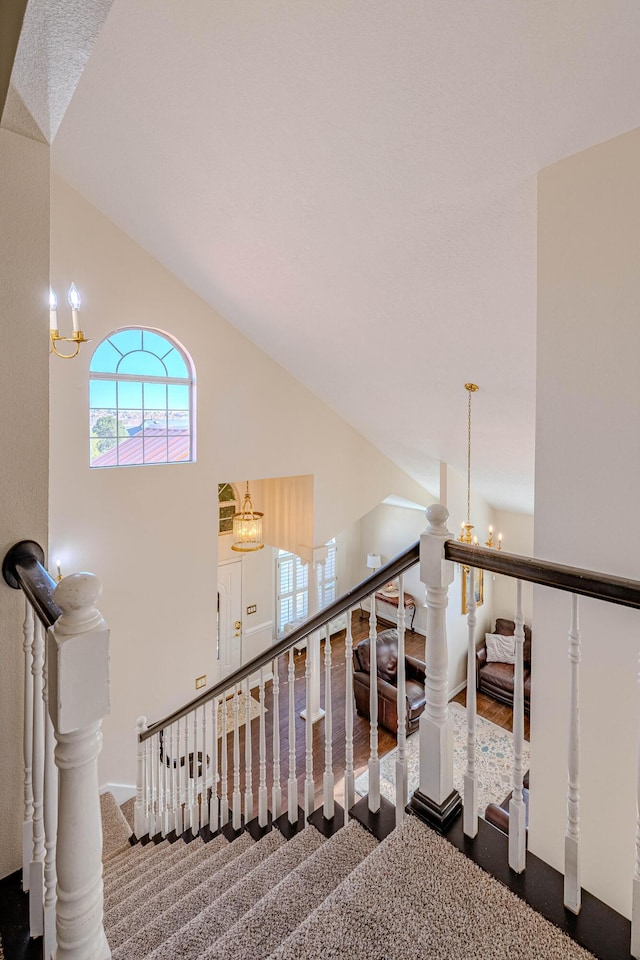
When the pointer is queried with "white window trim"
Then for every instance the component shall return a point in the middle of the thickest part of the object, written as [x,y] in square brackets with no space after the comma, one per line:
[299,593]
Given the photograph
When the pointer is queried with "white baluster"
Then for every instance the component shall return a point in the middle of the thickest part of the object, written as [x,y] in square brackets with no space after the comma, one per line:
[224,764]
[263,796]
[572,885]
[328,782]
[374,760]
[171,777]
[436,801]
[78,657]
[140,826]
[248,774]
[162,784]
[147,784]
[187,822]
[517,808]
[635,908]
[180,826]
[214,805]
[154,759]
[204,791]
[309,787]
[276,789]
[470,810]
[27,746]
[402,774]
[36,867]
[349,775]
[292,783]
[193,780]
[237,796]
[50,828]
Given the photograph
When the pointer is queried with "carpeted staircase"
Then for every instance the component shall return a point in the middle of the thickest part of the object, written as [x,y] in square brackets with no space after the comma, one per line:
[413,895]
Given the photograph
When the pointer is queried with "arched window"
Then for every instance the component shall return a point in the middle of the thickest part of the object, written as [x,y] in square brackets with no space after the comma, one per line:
[140,400]
[227,506]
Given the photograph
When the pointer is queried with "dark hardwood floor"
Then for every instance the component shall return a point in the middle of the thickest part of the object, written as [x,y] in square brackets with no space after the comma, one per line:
[498,713]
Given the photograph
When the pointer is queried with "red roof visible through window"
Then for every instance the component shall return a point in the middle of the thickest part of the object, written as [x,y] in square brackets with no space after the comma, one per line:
[156,447]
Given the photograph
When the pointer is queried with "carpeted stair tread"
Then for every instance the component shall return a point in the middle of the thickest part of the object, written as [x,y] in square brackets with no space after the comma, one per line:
[115,829]
[202,931]
[152,855]
[192,894]
[146,870]
[286,905]
[138,855]
[122,900]
[417,896]
[125,923]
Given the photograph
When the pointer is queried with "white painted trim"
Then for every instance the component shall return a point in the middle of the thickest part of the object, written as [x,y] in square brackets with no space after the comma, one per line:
[121,791]
[266,625]
[456,690]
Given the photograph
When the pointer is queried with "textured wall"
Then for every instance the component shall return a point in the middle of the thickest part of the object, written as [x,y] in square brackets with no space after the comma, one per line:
[24,371]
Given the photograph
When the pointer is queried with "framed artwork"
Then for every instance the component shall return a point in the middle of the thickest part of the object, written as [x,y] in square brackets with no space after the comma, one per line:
[478,583]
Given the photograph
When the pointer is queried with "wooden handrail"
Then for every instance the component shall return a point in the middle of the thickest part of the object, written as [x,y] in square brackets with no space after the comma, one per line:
[347,601]
[587,583]
[22,569]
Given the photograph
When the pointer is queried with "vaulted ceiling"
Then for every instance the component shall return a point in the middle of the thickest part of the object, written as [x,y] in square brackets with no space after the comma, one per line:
[352,183]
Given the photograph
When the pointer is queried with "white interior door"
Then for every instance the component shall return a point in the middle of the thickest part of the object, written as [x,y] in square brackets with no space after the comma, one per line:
[229,644]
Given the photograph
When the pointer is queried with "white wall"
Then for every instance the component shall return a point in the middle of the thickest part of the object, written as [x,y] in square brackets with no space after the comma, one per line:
[587,465]
[24,373]
[518,538]
[150,533]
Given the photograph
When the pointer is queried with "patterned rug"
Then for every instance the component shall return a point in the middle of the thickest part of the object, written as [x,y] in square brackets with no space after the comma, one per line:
[254,711]
[494,761]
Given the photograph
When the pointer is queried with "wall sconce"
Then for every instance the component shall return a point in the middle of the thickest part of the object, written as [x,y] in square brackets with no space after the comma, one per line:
[78,337]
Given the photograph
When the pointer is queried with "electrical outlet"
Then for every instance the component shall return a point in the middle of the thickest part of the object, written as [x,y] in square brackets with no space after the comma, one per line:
[201,682]
[252,608]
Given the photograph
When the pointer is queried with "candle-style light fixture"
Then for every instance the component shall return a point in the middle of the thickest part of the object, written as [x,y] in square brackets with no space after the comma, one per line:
[247,527]
[77,338]
[466,535]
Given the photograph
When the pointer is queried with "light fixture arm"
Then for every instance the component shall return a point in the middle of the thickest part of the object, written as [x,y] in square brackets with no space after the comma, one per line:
[78,339]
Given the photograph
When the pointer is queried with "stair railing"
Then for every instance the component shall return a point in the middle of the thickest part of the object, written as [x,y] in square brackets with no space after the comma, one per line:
[66,695]
[218,788]
[436,800]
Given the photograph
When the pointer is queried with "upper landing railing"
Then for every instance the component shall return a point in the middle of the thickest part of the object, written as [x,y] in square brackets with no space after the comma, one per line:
[189,768]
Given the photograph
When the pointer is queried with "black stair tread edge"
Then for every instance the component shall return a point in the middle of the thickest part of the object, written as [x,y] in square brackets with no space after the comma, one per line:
[230,832]
[598,927]
[255,831]
[287,829]
[327,827]
[381,823]
[14,921]
[145,840]
[157,838]
[172,836]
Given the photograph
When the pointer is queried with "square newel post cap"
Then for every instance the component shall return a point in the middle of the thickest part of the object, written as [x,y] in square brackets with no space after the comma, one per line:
[78,656]
[435,571]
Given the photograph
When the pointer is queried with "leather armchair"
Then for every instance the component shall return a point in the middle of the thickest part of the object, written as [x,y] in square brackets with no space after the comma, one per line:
[496,679]
[387,680]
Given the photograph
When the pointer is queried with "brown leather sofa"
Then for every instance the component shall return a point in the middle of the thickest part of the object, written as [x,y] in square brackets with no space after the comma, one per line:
[387,668]
[496,679]
[499,815]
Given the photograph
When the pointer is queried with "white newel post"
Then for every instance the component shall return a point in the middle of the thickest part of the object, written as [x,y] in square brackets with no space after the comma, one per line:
[78,661]
[140,824]
[436,801]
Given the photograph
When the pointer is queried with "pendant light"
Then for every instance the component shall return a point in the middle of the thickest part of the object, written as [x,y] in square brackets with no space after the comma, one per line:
[466,528]
[247,527]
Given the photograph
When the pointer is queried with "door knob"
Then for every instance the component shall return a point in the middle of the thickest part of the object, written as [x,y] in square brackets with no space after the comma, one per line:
[238,624]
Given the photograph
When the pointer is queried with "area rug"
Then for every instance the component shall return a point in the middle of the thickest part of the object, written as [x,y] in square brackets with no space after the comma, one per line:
[494,761]
[254,711]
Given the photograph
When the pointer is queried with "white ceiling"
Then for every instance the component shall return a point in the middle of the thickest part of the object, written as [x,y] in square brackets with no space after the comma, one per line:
[352,183]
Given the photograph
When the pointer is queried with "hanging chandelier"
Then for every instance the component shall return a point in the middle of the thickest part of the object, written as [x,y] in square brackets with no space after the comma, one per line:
[247,527]
[466,535]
